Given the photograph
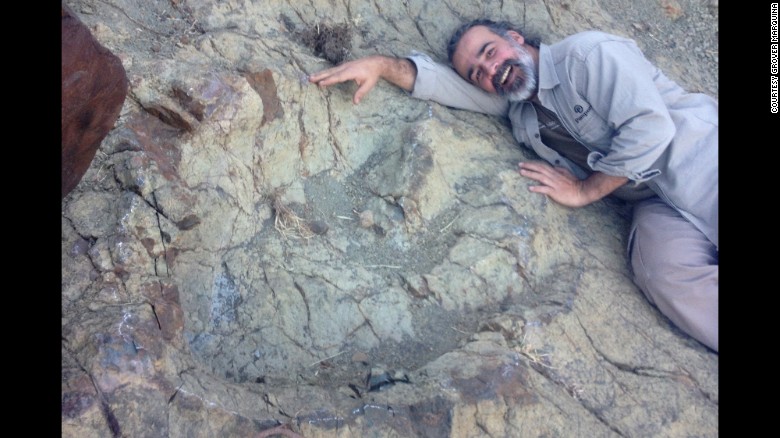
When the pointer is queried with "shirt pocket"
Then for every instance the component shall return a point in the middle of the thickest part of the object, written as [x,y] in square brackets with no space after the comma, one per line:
[591,129]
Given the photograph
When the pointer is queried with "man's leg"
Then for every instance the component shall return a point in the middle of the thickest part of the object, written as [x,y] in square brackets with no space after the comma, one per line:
[677,269]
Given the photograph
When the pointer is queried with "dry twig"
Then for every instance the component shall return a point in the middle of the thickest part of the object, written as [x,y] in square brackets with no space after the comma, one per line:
[287,223]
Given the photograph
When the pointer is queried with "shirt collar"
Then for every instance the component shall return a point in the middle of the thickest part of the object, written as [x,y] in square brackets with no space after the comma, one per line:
[547,77]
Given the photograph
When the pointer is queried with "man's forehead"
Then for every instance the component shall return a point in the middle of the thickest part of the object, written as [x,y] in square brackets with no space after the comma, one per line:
[473,39]
[470,46]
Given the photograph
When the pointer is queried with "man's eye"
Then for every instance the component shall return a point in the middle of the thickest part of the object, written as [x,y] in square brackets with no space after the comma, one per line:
[478,76]
[491,51]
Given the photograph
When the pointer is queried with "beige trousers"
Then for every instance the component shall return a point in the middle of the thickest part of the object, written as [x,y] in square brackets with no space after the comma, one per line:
[677,269]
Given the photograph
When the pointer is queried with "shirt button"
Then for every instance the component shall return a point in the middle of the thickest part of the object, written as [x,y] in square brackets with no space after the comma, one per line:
[536,135]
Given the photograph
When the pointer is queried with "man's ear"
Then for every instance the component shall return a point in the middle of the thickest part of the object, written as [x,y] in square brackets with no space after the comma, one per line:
[516,36]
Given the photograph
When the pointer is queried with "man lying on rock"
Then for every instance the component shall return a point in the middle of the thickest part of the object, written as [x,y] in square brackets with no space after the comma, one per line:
[607,122]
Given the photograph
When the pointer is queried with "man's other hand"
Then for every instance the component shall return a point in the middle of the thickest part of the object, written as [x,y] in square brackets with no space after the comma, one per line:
[366,72]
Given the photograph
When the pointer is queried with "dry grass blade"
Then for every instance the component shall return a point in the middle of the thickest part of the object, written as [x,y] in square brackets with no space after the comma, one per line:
[288,223]
[533,354]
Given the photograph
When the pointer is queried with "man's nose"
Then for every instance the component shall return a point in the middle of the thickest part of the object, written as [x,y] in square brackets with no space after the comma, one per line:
[491,67]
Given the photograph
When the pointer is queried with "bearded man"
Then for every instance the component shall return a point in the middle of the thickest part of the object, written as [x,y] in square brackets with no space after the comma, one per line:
[606,122]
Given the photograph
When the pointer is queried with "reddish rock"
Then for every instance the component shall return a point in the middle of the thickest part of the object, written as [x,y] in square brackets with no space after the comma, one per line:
[263,83]
[94,87]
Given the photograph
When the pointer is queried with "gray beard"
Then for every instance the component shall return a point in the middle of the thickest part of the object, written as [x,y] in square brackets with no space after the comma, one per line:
[523,89]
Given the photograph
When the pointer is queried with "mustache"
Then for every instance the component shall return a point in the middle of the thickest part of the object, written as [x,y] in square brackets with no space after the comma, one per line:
[497,78]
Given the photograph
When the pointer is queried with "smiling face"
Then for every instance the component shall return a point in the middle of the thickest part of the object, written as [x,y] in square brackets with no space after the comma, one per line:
[505,66]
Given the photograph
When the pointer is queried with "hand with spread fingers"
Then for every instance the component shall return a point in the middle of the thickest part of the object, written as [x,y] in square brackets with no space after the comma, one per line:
[556,182]
[366,72]
[565,188]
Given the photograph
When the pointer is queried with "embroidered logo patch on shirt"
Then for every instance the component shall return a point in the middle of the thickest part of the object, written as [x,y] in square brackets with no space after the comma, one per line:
[578,109]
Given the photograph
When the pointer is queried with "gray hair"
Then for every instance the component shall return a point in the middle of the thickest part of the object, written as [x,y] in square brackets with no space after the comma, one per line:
[500,28]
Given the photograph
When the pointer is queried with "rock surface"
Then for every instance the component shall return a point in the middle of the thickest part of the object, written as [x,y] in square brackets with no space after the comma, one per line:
[251,255]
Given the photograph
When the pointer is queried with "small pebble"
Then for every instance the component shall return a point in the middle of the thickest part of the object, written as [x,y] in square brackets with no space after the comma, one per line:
[318,227]
[366,219]
[360,357]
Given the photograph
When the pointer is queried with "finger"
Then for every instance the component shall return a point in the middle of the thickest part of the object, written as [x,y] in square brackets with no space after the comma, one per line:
[543,190]
[330,79]
[363,88]
[534,166]
[318,76]
[536,176]
[330,76]
[533,163]
[536,172]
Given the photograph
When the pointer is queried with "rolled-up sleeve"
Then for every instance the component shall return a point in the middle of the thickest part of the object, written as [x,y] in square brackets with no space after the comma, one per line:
[441,84]
[618,80]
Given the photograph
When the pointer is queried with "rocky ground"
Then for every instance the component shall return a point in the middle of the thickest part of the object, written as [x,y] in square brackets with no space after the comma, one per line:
[249,253]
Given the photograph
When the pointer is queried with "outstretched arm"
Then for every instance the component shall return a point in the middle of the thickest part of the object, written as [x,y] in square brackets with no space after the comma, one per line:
[367,71]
